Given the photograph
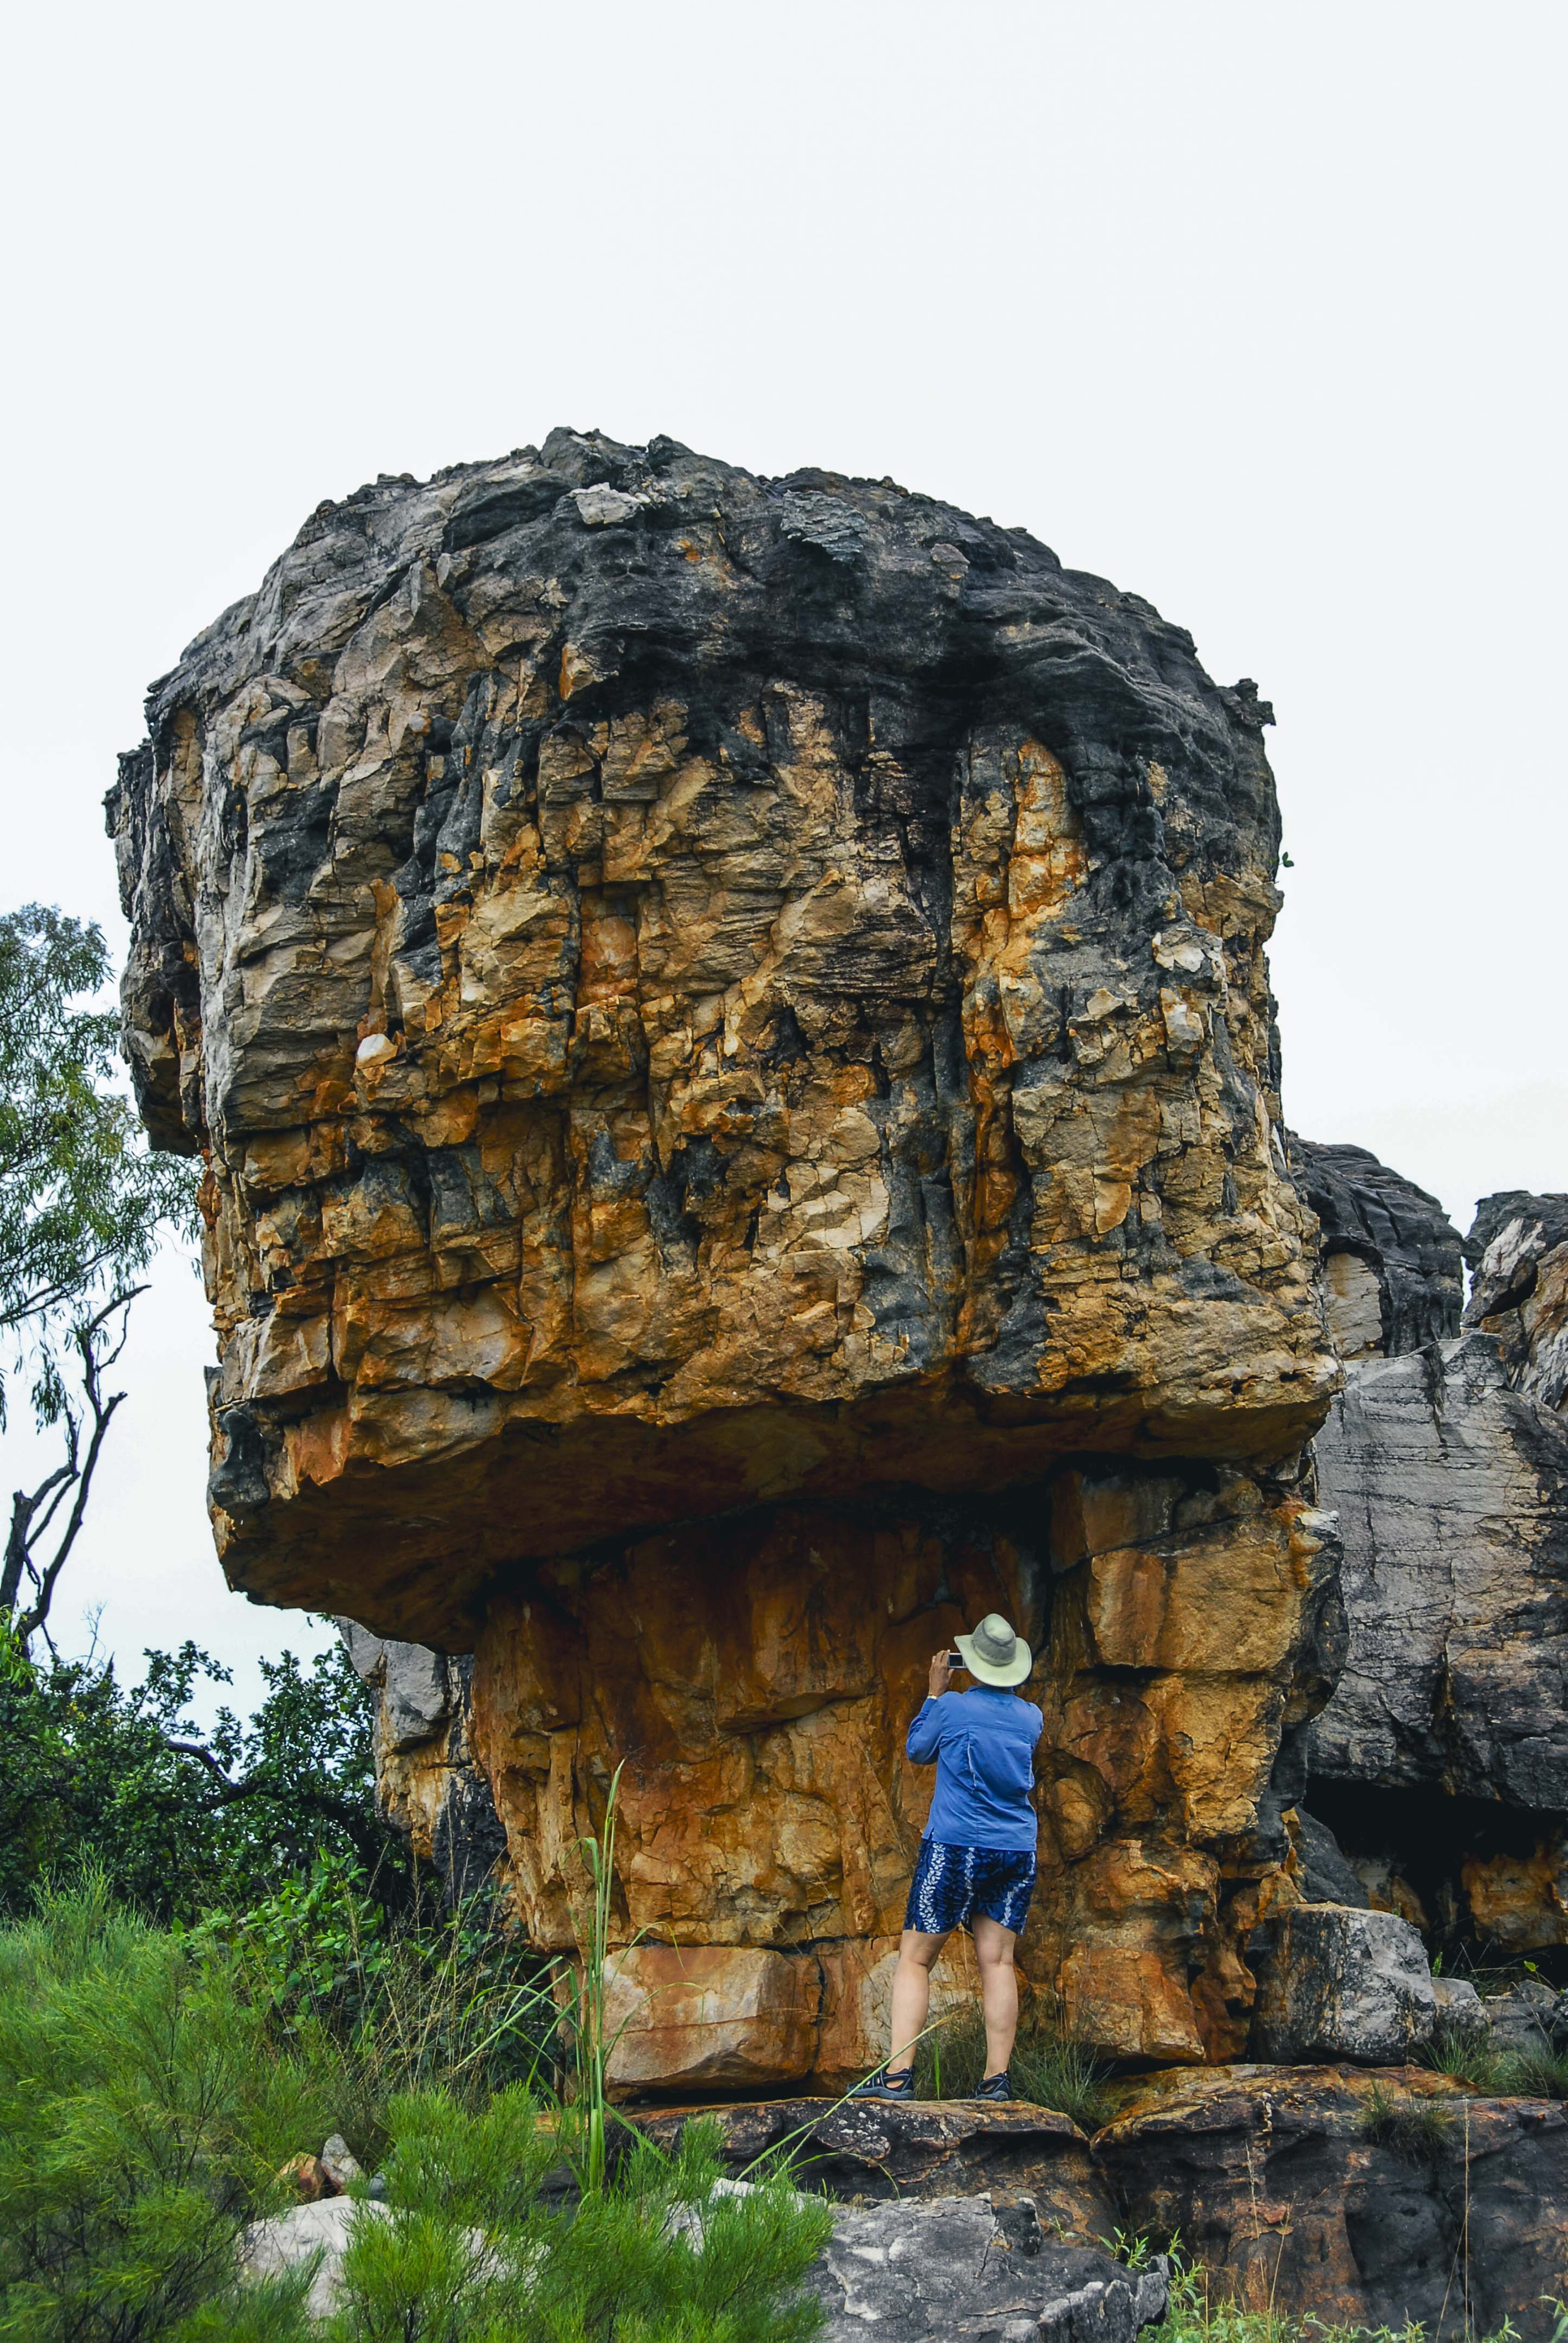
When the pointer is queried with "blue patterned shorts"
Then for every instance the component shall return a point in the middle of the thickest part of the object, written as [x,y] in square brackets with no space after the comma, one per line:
[951,1884]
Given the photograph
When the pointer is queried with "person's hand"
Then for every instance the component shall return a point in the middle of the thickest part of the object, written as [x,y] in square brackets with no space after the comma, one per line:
[941,1673]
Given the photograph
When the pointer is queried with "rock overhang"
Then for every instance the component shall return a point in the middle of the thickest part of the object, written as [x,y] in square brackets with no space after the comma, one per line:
[810,948]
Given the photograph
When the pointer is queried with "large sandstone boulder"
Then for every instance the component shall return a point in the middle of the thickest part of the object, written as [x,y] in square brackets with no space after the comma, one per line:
[729,1027]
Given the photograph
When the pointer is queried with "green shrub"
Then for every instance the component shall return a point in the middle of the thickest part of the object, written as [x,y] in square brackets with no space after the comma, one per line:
[91,1773]
[378,2005]
[468,2251]
[142,2116]
[149,2097]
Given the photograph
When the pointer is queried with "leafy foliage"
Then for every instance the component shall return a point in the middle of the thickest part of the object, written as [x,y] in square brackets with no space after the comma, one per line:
[141,2116]
[82,1201]
[387,2002]
[120,1778]
[147,2100]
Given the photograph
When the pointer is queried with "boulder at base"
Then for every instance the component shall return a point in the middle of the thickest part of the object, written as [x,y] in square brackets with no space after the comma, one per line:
[1345,1983]
[953,2266]
[949,2269]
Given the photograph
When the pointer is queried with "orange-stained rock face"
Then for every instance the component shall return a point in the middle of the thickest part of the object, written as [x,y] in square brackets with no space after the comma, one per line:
[729,1025]
[755,1678]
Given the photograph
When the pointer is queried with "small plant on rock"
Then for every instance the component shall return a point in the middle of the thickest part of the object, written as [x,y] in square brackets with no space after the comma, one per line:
[1413,2127]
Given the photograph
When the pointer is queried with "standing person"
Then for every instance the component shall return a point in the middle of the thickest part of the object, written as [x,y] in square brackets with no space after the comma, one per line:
[976,1868]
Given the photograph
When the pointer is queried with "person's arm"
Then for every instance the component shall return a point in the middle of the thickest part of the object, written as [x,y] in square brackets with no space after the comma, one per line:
[925,1734]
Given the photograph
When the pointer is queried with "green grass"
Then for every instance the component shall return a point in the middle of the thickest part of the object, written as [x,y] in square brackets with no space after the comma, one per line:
[1200,2312]
[1472,2056]
[1415,2128]
[1048,2068]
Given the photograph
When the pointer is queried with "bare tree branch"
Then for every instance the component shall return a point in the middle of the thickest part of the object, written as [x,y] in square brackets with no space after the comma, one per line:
[97,1352]
[262,1781]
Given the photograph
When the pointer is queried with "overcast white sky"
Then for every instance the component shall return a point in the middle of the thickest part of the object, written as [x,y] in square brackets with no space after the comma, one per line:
[1255,309]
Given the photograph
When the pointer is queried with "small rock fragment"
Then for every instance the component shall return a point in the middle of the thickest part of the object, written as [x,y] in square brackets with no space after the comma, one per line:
[339,2162]
[307,2177]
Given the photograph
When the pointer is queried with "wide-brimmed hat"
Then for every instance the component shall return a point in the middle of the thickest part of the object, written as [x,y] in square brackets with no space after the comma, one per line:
[994,1654]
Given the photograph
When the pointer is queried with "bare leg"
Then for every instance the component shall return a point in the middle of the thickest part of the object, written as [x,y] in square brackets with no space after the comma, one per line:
[999,1990]
[912,1993]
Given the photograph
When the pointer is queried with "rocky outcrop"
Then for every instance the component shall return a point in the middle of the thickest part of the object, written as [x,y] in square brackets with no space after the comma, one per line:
[1518,1248]
[1358,2197]
[729,1027]
[694,989]
[426,1781]
[1441,1759]
[1364,2200]
[1392,1263]
[863,2151]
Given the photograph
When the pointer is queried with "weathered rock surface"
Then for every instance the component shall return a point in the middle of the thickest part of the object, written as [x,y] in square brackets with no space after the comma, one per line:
[1442,1758]
[1361,2199]
[426,1780]
[1343,1983]
[1518,1248]
[1451,1491]
[773,1805]
[695,987]
[949,2268]
[1392,1269]
[724,1015]
[859,2150]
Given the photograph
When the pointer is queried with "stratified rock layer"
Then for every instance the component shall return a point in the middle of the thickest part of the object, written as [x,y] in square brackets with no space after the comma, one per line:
[720,1013]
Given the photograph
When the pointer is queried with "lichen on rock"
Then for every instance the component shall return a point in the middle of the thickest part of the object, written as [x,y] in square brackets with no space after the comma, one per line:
[729,1027]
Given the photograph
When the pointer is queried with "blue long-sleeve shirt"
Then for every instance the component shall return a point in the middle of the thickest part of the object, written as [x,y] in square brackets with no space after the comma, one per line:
[981,1743]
